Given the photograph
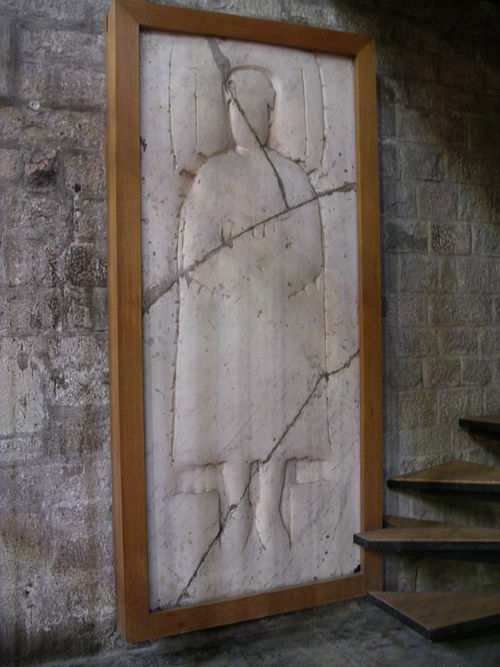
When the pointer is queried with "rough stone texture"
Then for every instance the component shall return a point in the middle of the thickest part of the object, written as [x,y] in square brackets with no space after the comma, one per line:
[439,111]
[342,635]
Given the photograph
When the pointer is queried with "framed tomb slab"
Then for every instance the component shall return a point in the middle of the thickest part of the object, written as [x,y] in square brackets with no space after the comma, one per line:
[244,316]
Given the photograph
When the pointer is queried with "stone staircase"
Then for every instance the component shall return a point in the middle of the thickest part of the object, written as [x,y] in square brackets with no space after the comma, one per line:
[439,616]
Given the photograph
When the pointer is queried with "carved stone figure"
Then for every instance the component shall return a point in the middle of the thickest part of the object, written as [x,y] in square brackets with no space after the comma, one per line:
[249,277]
[251,344]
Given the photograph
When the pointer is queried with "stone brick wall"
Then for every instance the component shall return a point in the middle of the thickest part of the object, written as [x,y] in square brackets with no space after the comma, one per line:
[439,103]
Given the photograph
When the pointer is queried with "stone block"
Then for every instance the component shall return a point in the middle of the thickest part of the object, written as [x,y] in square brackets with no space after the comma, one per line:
[460,309]
[417,409]
[78,352]
[461,73]
[42,45]
[398,199]
[299,12]
[402,235]
[437,201]
[483,135]
[81,388]
[9,164]
[489,341]
[40,169]
[85,173]
[36,217]
[492,401]
[478,274]
[89,220]
[441,372]
[390,273]
[11,123]
[5,57]
[85,309]
[406,309]
[496,309]
[74,433]
[417,342]
[68,129]
[403,63]
[477,372]
[422,162]
[455,403]
[58,85]
[431,97]
[86,265]
[474,203]
[492,78]
[467,167]
[486,239]
[419,273]
[424,443]
[71,11]
[386,112]
[22,450]
[430,128]
[21,400]
[458,340]
[30,312]
[447,275]
[39,265]
[404,373]
[451,239]
[389,160]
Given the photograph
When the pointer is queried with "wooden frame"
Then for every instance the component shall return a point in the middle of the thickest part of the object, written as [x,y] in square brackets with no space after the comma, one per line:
[123,23]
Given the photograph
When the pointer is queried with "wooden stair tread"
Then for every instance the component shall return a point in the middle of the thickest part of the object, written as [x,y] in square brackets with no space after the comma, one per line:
[393,521]
[482,424]
[430,536]
[452,476]
[441,615]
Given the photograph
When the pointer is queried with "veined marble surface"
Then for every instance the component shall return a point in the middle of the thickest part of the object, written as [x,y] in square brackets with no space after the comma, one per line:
[250,317]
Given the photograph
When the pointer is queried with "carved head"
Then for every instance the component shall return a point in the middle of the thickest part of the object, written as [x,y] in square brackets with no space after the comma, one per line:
[250,96]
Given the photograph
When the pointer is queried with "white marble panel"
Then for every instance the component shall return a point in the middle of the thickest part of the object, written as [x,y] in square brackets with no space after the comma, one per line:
[249,262]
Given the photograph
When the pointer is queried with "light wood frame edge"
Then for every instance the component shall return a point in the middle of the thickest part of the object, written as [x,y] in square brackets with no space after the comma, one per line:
[123,23]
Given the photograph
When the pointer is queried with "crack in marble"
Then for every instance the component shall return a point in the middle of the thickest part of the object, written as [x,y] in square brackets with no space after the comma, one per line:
[170,124]
[281,185]
[224,65]
[344,366]
[323,251]
[232,509]
[280,505]
[304,287]
[153,294]
[325,117]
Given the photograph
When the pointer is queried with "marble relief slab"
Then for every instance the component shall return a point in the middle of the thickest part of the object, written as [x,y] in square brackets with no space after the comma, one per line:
[250,317]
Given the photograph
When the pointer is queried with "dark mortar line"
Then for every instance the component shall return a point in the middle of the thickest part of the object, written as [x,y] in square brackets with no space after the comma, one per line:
[153,294]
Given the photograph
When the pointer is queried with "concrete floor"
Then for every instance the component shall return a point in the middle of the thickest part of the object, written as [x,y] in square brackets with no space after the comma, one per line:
[343,635]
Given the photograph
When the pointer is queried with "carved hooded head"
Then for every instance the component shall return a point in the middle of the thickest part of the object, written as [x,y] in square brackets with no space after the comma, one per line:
[250,96]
